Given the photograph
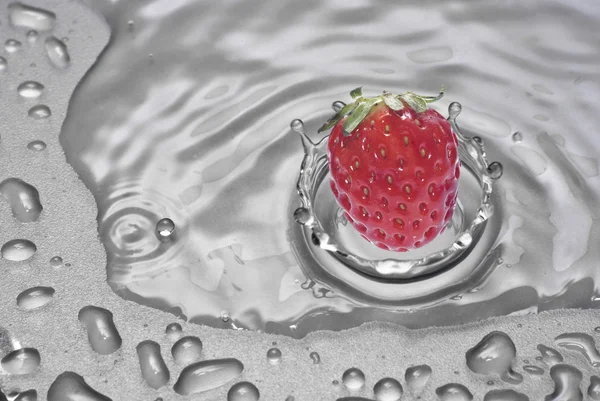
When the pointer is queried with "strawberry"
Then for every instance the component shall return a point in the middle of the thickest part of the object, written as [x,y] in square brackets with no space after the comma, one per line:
[394,168]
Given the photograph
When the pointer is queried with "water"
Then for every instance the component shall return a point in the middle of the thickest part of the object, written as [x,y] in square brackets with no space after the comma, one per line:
[57,52]
[174,331]
[18,250]
[12,45]
[30,89]
[567,383]
[315,357]
[594,389]
[36,145]
[454,392]
[353,379]
[102,333]
[35,297]
[549,355]
[533,370]
[274,356]
[153,367]
[580,342]
[24,199]
[206,375]
[28,395]
[388,389]
[494,354]
[187,350]
[243,391]
[505,395]
[22,361]
[24,16]
[70,386]
[56,261]
[417,377]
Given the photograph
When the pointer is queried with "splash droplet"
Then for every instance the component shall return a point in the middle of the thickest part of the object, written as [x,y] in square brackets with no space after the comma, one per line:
[21,361]
[454,392]
[517,137]
[35,297]
[207,375]
[164,229]
[567,382]
[12,45]
[454,109]
[353,379]
[302,215]
[18,250]
[3,64]
[37,145]
[57,52]
[24,16]
[582,343]
[173,331]
[495,170]
[417,378]
[274,356]
[533,370]
[594,388]
[549,355]
[153,367]
[494,354]
[505,395]
[316,358]
[243,391]
[187,350]
[39,112]
[297,126]
[102,332]
[69,386]
[30,89]
[338,105]
[388,389]
[24,199]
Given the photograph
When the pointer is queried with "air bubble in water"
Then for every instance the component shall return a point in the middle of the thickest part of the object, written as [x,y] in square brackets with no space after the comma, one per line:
[39,112]
[353,379]
[24,16]
[274,356]
[315,357]
[417,378]
[57,52]
[153,367]
[580,342]
[549,355]
[517,137]
[297,126]
[207,375]
[37,145]
[187,350]
[338,105]
[173,331]
[567,382]
[388,389]
[24,199]
[495,170]
[594,388]
[454,392]
[243,391]
[164,229]
[32,36]
[35,297]
[18,250]
[505,395]
[494,354]
[21,361]
[30,89]
[70,386]
[12,45]
[3,64]
[102,332]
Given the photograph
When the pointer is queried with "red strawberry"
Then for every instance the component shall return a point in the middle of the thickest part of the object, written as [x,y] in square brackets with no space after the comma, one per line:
[394,168]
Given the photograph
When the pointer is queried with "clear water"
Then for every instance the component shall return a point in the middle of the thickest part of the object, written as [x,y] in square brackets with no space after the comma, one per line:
[180,130]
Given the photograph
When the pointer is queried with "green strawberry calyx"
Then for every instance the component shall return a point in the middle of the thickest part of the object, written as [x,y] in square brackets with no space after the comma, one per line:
[360,108]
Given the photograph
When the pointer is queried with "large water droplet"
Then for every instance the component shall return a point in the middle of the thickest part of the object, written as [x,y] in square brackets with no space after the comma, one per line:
[453,392]
[18,250]
[165,229]
[316,358]
[30,89]
[57,52]
[35,297]
[533,370]
[567,381]
[37,145]
[580,342]
[388,389]
[187,350]
[24,16]
[243,391]
[27,395]
[173,331]
[353,379]
[494,354]
[549,355]
[594,388]
[12,45]
[417,378]
[505,395]
[39,112]
[153,367]
[24,199]
[274,356]
[21,361]
[207,375]
[102,332]
[69,386]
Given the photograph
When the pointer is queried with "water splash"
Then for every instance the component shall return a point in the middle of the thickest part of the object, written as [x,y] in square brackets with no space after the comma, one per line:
[101,330]
[494,354]
[207,375]
[153,367]
[24,199]
[69,386]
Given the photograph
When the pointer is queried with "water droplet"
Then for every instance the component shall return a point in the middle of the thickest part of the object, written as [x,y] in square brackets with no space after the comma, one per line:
[549,355]
[225,316]
[102,332]
[173,331]
[28,395]
[454,392]
[505,395]
[302,215]
[495,170]
[24,16]
[353,379]
[297,126]
[130,25]
[35,297]
[18,250]
[533,370]
[37,146]
[3,64]
[165,228]
[597,329]
[274,356]
[12,45]
[315,357]
[338,105]
[32,36]
[21,361]
[594,388]
[517,137]
[56,261]
[187,350]
[388,389]
[580,342]
[417,378]
[69,386]
[57,52]
[243,391]
[454,109]
[567,381]
[207,375]
[494,354]
[30,89]
[24,199]
[39,112]
[153,367]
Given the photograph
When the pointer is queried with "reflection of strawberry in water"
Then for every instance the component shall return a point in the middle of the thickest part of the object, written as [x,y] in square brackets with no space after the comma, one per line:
[394,168]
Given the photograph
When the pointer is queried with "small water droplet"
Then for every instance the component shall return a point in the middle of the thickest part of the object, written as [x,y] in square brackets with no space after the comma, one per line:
[316,358]
[207,375]
[24,199]
[533,370]
[24,16]
[495,170]
[32,36]
[153,367]
[338,105]
[130,25]
[12,45]
[57,52]
[30,89]
[302,215]
[353,379]
[56,261]
[494,354]
[35,297]
[517,137]
[18,250]
[274,356]
[71,386]
[102,332]
[453,392]
[243,391]
[39,112]
[456,297]
[187,350]
[173,331]
[297,126]
[21,361]
[454,109]
[549,355]
[3,64]
[165,229]
[36,145]
[388,389]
